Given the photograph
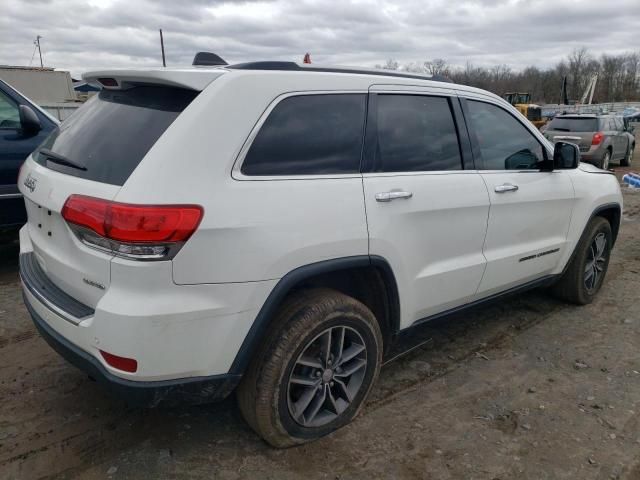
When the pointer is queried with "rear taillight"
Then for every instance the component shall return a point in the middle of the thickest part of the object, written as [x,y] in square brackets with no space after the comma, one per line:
[597,138]
[144,232]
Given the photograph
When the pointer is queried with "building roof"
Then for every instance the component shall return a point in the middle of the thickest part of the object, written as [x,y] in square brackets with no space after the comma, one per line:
[42,85]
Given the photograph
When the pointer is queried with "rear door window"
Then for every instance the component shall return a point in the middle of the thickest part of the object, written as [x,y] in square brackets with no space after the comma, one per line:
[309,135]
[114,130]
[416,133]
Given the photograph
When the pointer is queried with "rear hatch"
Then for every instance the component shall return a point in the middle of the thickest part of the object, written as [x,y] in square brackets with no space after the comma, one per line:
[577,130]
[92,153]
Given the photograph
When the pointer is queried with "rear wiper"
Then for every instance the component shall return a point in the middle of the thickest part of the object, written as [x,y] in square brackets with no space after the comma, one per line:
[61,159]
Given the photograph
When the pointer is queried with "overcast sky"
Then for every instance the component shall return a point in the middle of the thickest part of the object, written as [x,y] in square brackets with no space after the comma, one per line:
[81,35]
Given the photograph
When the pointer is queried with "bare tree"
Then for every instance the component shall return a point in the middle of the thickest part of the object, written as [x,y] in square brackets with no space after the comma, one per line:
[619,76]
[391,64]
[437,66]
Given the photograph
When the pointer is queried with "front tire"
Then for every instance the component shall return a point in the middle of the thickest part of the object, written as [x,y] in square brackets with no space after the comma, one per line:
[314,370]
[585,274]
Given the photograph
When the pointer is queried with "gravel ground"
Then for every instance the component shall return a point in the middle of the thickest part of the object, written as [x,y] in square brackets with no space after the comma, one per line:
[526,388]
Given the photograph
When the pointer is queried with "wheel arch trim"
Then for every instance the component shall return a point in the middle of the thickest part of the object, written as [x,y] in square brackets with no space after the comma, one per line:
[295,277]
[615,228]
[596,213]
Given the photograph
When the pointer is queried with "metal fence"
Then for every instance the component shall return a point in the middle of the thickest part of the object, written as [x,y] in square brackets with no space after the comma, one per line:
[619,108]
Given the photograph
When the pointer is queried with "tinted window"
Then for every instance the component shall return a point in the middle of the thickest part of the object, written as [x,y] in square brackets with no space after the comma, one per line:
[416,133]
[505,144]
[573,124]
[309,135]
[9,115]
[113,131]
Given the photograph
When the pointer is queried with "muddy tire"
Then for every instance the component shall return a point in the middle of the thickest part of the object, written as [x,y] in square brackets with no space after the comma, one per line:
[314,370]
[584,276]
[628,158]
[605,161]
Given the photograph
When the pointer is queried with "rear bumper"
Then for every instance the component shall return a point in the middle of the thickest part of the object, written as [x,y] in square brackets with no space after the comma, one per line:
[140,393]
[593,154]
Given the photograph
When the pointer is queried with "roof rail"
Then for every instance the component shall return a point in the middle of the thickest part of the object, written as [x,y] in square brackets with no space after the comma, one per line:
[293,66]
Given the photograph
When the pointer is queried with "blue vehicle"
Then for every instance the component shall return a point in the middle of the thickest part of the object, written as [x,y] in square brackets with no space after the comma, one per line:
[23,126]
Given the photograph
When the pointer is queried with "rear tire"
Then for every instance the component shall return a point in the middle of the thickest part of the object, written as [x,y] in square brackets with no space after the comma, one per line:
[605,160]
[628,158]
[585,274]
[296,389]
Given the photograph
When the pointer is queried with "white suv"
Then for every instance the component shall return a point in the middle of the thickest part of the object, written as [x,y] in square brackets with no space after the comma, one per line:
[274,227]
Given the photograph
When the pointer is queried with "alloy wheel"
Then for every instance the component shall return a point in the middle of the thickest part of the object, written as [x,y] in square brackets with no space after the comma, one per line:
[596,262]
[327,376]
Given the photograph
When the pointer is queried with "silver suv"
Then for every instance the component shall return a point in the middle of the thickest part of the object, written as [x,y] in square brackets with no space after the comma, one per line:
[602,138]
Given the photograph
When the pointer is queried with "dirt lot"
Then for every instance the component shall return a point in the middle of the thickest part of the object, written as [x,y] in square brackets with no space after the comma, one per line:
[527,388]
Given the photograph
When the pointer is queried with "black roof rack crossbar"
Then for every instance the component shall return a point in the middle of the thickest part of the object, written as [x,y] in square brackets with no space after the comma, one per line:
[292,66]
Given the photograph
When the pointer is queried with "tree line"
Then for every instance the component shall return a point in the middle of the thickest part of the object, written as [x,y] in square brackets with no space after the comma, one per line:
[618,76]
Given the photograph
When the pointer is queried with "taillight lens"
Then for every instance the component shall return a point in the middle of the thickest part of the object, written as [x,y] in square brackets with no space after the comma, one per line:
[597,138]
[137,231]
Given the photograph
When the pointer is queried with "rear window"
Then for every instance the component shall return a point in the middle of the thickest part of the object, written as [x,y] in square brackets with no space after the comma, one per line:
[310,135]
[574,124]
[113,131]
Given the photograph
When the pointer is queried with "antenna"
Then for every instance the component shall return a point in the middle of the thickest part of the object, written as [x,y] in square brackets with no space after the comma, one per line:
[37,44]
[164,63]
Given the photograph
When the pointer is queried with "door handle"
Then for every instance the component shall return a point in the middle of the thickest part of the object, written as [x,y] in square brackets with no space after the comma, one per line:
[392,195]
[506,187]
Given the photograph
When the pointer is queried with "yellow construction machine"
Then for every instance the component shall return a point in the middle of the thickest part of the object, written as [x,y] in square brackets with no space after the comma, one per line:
[522,101]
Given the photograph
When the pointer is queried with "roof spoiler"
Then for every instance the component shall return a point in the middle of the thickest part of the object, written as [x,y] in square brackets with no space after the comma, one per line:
[208,59]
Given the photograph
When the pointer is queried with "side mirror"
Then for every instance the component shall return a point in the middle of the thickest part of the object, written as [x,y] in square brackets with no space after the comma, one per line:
[566,156]
[29,121]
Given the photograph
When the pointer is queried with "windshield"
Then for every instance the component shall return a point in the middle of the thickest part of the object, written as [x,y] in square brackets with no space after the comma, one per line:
[111,133]
[574,124]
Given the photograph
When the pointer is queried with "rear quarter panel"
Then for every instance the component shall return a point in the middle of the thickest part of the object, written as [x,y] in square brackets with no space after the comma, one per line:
[253,229]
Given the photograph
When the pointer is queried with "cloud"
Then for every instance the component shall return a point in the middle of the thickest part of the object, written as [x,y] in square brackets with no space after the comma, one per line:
[80,35]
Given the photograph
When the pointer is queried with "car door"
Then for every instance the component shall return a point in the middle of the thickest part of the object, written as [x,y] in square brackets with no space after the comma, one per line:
[530,209]
[426,213]
[15,146]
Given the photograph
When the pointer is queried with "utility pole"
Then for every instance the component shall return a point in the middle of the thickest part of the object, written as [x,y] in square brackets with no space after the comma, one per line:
[37,44]
[164,63]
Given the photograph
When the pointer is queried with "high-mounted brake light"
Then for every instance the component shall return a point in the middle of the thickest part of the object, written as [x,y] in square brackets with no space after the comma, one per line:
[136,231]
[597,138]
[108,82]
